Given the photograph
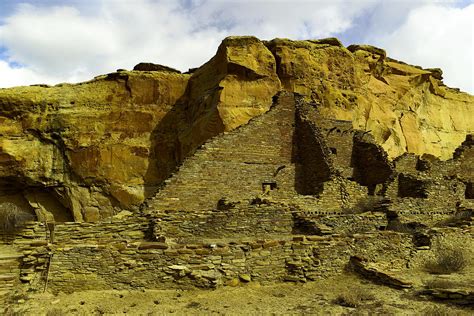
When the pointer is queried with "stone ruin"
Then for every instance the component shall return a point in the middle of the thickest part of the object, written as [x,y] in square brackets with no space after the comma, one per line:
[287,193]
[290,196]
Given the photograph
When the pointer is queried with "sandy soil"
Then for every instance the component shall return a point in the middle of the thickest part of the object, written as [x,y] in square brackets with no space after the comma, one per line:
[317,298]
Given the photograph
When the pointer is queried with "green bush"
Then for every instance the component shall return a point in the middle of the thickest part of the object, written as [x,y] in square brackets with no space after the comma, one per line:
[447,259]
[12,218]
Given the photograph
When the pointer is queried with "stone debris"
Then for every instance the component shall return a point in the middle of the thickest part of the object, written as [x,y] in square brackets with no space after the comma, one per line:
[373,272]
[457,296]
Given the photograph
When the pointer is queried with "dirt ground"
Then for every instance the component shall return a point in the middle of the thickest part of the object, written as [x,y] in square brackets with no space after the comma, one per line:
[325,297]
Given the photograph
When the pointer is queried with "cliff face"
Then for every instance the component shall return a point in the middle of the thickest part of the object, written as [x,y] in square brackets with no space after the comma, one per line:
[84,147]
[88,150]
[406,109]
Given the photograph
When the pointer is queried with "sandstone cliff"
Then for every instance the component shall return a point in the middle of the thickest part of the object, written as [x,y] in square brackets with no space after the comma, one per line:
[88,150]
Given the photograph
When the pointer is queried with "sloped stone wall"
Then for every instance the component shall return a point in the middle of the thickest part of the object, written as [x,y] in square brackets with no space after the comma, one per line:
[236,164]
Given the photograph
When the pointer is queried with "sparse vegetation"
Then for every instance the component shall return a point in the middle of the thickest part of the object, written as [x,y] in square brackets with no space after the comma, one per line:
[353,297]
[12,218]
[459,218]
[397,226]
[408,228]
[441,311]
[440,284]
[447,259]
[55,312]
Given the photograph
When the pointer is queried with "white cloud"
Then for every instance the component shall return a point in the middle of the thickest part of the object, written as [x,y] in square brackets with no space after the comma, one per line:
[437,36]
[294,19]
[74,43]
[14,76]
[61,42]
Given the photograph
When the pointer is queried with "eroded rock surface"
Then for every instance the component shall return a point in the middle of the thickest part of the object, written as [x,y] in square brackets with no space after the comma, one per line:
[86,151]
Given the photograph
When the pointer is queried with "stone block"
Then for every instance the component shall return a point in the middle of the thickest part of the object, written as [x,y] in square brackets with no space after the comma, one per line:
[152,245]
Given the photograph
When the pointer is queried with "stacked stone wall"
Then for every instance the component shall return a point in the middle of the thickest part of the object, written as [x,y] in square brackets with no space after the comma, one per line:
[442,183]
[86,257]
[241,221]
[314,157]
[236,164]
[297,166]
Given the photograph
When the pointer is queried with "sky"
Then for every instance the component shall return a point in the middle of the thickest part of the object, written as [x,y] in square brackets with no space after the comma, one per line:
[53,41]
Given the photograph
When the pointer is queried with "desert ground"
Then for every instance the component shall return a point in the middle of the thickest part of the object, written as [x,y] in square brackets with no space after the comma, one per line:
[341,295]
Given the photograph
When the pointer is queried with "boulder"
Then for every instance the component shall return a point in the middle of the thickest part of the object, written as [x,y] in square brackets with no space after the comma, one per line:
[154,67]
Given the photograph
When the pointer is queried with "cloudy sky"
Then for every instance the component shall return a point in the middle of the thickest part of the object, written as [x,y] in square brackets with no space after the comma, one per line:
[52,41]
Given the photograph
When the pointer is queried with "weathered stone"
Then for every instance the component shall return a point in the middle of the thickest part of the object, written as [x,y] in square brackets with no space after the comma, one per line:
[245,277]
[268,168]
[370,271]
[152,245]
[178,267]
[154,67]
[88,149]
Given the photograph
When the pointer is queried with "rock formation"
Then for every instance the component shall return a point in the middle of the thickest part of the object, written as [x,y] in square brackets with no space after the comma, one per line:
[275,161]
[85,151]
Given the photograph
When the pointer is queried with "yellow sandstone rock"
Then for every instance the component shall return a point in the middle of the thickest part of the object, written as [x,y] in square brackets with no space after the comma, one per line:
[106,145]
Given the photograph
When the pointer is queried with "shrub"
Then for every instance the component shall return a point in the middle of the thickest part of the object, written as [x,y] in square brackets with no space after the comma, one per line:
[440,284]
[353,298]
[12,218]
[55,312]
[407,228]
[397,226]
[458,219]
[447,259]
[442,311]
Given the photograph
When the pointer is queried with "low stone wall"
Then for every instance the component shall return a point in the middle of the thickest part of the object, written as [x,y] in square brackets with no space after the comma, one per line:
[257,220]
[161,265]
[116,254]
[346,224]
[258,242]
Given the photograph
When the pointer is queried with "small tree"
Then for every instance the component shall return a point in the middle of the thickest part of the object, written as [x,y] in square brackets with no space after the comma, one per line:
[12,218]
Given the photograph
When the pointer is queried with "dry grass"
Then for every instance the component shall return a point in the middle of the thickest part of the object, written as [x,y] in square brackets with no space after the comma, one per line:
[440,284]
[353,297]
[12,218]
[459,218]
[397,226]
[447,259]
[442,311]
[55,312]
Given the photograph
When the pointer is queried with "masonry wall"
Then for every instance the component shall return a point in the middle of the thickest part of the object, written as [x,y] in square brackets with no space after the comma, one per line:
[258,220]
[204,249]
[86,257]
[439,192]
[235,165]
[313,156]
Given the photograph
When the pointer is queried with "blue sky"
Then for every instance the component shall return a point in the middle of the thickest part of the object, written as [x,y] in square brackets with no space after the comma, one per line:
[52,41]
